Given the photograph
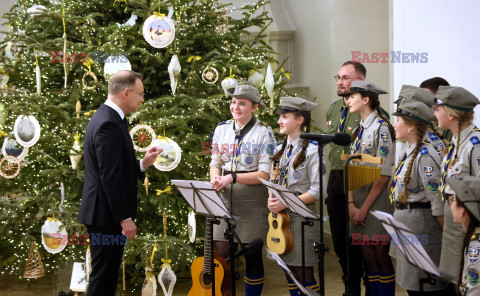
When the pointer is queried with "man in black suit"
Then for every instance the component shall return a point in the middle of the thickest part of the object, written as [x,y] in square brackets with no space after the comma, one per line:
[109,200]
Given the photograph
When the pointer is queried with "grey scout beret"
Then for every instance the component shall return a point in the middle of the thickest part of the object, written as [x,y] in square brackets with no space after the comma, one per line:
[292,104]
[417,94]
[467,190]
[365,86]
[246,92]
[416,110]
[456,97]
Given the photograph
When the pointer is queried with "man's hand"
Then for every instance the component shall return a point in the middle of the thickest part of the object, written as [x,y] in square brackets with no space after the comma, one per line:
[150,156]
[129,228]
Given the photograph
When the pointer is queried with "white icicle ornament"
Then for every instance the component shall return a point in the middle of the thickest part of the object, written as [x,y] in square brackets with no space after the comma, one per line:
[174,69]
[269,81]
[227,83]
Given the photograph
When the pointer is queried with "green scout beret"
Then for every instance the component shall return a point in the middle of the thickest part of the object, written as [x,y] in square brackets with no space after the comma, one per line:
[247,92]
[456,97]
[416,110]
[365,86]
[293,104]
[467,190]
[417,94]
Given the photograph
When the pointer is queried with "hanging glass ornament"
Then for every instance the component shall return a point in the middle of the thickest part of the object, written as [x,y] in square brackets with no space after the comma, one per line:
[192,226]
[174,69]
[26,130]
[114,64]
[256,79]
[76,152]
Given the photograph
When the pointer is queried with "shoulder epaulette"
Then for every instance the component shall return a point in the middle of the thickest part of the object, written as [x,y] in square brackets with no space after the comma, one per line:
[475,140]
[263,124]
[225,122]
[313,142]
[423,151]
[433,137]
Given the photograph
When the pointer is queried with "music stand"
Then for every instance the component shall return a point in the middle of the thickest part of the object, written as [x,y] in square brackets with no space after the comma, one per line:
[295,205]
[205,200]
[408,243]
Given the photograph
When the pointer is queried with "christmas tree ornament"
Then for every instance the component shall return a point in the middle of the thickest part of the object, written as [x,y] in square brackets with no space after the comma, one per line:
[78,108]
[34,266]
[3,115]
[170,156]
[53,232]
[255,79]
[36,10]
[114,64]
[192,226]
[159,30]
[146,183]
[150,284]
[11,51]
[142,136]
[76,152]
[167,190]
[228,82]
[174,69]
[131,22]
[38,74]
[166,277]
[65,64]
[62,197]
[88,261]
[12,148]
[210,75]
[269,84]
[88,63]
[3,79]
[9,167]
[26,130]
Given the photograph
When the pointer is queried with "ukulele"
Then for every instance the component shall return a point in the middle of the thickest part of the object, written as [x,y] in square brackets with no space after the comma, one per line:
[202,275]
[279,237]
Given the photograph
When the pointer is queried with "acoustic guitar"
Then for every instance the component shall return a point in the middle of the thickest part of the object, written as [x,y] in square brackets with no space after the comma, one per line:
[279,237]
[202,270]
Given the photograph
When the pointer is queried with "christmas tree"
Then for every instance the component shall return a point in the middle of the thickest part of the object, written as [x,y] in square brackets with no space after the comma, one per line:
[54,56]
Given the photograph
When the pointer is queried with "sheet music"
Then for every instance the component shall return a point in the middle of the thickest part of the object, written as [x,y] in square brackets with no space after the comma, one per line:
[274,256]
[290,200]
[407,242]
[202,197]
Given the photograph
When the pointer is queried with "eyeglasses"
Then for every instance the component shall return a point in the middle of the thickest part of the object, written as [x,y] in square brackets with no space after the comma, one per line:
[142,94]
[450,198]
[342,78]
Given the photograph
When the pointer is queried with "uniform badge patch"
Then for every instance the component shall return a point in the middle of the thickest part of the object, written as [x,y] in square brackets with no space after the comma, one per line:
[423,151]
[432,186]
[383,151]
[384,137]
[473,254]
[433,137]
[475,140]
[297,175]
[248,160]
[428,171]
[473,276]
[439,148]
[225,158]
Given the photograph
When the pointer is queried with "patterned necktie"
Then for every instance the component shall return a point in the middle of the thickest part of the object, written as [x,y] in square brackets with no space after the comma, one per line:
[342,119]
[237,151]
[445,168]
[395,177]
[287,159]
[358,140]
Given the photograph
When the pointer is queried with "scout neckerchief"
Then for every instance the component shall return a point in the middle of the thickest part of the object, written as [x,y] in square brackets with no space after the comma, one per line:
[285,162]
[342,119]
[451,147]
[358,140]
[239,140]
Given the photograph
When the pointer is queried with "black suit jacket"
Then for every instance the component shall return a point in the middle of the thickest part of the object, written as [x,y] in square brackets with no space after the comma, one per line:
[111,171]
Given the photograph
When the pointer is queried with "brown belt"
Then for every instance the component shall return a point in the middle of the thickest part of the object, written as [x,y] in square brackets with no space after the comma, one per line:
[241,172]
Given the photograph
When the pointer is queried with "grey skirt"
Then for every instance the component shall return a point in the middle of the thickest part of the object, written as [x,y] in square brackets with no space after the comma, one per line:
[249,208]
[312,234]
[372,227]
[429,234]
[452,243]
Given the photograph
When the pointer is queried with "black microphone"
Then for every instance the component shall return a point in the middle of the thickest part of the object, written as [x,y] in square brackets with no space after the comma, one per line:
[254,245]
[341,139]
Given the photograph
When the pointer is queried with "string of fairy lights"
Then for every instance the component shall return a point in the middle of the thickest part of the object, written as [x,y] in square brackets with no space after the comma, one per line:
[187,118]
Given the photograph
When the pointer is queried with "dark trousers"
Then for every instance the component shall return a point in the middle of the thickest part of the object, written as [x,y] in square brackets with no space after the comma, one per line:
[106,247]
[336,206]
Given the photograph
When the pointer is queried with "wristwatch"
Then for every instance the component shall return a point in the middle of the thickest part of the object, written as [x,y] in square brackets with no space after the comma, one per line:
[234,176]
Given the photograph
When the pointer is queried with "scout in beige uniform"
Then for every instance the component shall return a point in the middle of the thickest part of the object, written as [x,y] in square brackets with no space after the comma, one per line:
[465,207]
[454,111]
[298,163]
[421,95]
[241,150]
[415,190]
[373,136]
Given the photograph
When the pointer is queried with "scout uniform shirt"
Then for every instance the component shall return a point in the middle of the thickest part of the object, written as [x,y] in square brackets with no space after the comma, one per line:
[425,177]
[336,114]
[431,138]
[471,267]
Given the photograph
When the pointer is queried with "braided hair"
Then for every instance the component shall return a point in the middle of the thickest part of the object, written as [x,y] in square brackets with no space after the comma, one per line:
[307,120]
[474,223]
[462,117]
[421,129]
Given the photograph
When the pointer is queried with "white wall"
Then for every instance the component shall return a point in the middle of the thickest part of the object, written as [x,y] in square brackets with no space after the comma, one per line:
[448,32]
[5,6]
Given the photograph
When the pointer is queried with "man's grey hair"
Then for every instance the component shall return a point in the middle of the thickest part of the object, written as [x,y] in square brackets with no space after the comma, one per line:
[121,80]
